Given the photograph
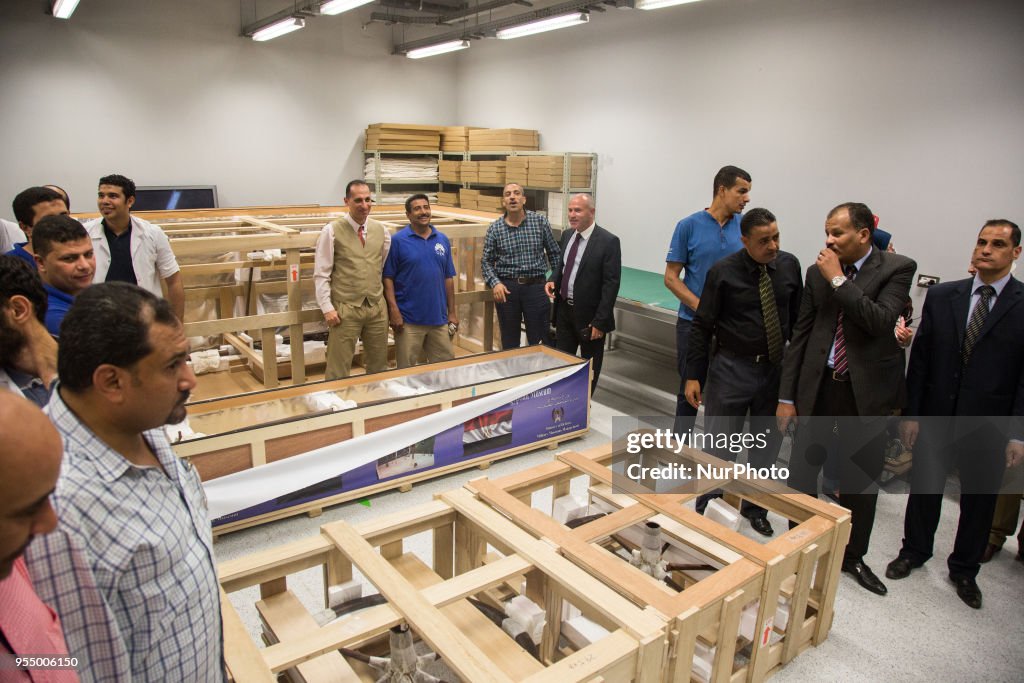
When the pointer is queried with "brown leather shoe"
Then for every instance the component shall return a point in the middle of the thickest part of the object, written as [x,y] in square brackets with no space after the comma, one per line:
[990,550]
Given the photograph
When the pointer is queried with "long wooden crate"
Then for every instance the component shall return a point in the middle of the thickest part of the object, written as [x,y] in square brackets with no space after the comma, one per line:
[765,603]
[475,554]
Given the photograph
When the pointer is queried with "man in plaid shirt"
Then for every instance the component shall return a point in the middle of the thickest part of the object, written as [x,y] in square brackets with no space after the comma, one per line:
[130,567]
[515,268]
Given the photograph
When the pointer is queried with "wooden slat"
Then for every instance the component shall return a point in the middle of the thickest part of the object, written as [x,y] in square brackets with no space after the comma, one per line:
[242,657]
[288,620]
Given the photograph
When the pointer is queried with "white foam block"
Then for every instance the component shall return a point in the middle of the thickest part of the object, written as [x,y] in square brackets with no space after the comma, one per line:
[344,592]
[723,513]
[703,661]
[567,508]
[581,632]
[748,620]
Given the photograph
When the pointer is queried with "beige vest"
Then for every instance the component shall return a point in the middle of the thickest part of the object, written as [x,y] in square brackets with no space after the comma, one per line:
[356,277]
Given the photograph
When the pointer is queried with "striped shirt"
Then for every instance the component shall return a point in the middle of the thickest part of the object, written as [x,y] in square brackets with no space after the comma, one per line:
[130,567]
[518,251]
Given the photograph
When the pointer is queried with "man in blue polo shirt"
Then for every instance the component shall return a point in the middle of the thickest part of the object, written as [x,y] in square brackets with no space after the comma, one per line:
[419,286]
[66,264]
[698,242]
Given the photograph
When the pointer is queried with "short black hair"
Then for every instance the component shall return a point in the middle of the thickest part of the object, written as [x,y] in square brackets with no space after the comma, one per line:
[755,218]
[726,177]
[24,204]
[410,200]
[18,277]
[107,325]
[59,229]
[353,183]
[1004,223]
[861,216]
[127,185]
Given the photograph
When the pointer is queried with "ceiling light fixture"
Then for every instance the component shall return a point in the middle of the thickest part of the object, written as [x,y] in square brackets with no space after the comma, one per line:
[542,25]
[658,4]
[63,9]
[338,6]
[279,28]
[439,49]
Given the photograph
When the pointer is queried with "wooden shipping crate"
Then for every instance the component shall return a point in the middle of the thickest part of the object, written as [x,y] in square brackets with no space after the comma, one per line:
[760,607]
[240,433]
[477,561]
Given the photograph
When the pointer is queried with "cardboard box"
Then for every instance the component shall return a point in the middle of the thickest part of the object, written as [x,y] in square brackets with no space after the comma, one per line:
[503,138]
[402,136]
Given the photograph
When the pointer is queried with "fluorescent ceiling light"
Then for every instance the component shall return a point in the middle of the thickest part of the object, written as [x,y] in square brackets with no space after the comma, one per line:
[549,24]
[439,49]
[658,4]
[63,9]
[339,6]
[279,28]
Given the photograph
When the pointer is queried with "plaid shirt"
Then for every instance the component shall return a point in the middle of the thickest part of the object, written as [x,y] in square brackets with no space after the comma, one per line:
[130,567]
[519,251]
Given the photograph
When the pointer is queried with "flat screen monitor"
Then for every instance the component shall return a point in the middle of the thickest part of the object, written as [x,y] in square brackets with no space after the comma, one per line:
[167,197]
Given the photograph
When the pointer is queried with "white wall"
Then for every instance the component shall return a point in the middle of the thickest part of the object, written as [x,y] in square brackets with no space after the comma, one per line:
[914,107]
[166,92]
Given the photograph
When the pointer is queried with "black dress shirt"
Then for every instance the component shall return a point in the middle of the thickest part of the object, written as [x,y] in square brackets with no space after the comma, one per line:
[121,267]
[730,309]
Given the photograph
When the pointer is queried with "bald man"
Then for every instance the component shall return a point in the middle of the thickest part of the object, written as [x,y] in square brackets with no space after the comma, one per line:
[30,461]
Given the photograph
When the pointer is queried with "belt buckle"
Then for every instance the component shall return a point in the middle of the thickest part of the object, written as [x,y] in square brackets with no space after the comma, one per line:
[569,302]
[760,358]
[845,377]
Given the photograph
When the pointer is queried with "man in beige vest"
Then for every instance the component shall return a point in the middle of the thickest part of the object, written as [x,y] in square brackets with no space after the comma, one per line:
[350,256]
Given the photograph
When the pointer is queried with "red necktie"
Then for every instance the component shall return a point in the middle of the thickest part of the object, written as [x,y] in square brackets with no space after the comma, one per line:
[570,264]
[362,235]
[840,363]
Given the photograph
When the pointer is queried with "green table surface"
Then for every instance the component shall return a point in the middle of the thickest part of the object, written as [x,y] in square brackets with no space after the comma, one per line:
[647,288]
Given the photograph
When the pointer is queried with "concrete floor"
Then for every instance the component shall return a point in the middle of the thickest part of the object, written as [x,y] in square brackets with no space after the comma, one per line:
[920,631]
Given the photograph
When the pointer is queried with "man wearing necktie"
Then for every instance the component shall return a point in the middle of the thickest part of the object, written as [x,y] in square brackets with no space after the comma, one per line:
[350,255]
[965,405]
[746,313]
[585,285]
[843,371]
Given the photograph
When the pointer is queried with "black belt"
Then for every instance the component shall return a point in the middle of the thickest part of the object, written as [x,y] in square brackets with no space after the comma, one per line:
[537,280]
[753,358]
[836,377]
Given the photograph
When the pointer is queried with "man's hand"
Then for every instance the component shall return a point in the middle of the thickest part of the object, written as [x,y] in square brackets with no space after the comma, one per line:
[785,415]
[595,333]
[500,292]
[1014,454]
[549,289]
[908,433]
[395,320]
[453,318]
[332,319]
[828,264]
[903,333]
[692,393]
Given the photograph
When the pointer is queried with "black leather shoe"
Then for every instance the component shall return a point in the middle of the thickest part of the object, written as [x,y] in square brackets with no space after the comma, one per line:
[968,591]
[990,550]
[865,577]
[762,526]
[900,568]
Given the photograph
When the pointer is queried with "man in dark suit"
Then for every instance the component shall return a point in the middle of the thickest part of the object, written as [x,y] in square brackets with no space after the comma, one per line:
[743,322]
[584,284]
[844,370]
[967,362]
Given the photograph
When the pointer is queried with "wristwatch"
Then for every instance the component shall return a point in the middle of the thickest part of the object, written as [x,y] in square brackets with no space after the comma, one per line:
[838,281]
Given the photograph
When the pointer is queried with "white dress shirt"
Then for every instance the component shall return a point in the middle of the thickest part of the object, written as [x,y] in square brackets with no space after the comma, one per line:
[584,240]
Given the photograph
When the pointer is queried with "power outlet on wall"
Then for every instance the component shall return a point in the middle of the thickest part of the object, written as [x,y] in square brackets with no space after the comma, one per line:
[927,280]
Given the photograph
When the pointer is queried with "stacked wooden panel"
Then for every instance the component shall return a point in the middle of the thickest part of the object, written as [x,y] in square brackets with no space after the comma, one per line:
[480,560]
[547,172]
[448,198]
[448,171]
[517,170]
[492,172]
[403,136]
[469,171]
[750,611]
[489,200]
[486,139]
[456,138]
[468,198]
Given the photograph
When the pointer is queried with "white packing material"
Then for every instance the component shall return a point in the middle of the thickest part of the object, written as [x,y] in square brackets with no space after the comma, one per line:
[567,508]
[581,632]
[723,513]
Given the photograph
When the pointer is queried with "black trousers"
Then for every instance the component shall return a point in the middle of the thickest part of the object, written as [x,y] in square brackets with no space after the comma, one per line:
[524,303]
[979,455]
[685,413]
[860,445]
[734,387]
[569,337]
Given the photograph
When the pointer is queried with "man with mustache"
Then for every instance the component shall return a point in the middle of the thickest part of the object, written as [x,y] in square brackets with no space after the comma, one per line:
[30,461]
[65,259]
[130,568]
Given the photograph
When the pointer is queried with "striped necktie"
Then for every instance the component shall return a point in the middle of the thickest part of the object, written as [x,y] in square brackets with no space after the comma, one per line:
[841,365]
[770,314]
[977,321]
[362,235]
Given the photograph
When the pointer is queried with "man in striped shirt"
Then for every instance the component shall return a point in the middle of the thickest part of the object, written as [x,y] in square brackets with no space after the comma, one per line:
[130,568]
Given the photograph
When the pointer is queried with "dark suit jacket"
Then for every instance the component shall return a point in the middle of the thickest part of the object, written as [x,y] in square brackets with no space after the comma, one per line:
[993,381]
[597,281]
[871,304]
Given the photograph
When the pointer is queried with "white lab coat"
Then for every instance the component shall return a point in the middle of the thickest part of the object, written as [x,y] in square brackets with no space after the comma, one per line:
[152,257]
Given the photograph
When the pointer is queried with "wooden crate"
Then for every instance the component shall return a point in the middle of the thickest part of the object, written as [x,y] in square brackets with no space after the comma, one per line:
[250,430]
[800,567]
[476,554]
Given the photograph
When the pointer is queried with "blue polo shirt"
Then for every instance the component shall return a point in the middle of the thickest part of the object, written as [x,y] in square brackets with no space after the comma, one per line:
[419,267]
[57,305]
[698,242]
[19,251]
